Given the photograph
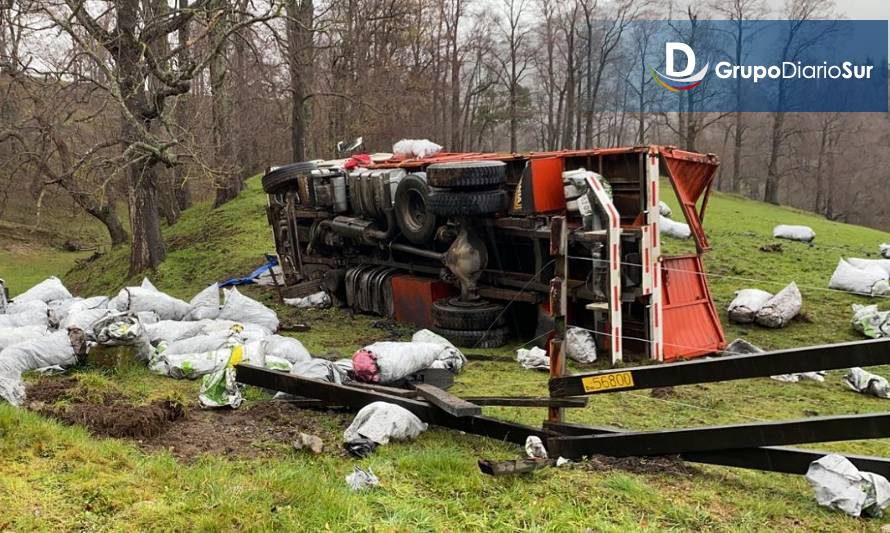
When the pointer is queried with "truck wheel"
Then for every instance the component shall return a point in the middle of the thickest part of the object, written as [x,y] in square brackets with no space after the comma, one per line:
[412,211]
[493,338]
[279,177]
[467,174]
[447,203]
[451,313]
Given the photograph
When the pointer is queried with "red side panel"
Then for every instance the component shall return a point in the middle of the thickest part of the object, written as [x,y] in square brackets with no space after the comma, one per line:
[546,182]
[413,297]
[691,325]
[691,175]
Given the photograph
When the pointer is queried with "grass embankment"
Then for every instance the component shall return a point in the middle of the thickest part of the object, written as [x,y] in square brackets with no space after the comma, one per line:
[57,477]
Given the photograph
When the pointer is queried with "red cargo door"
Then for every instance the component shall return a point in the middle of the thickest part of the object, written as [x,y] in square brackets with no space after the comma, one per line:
[691,176]
[691,325]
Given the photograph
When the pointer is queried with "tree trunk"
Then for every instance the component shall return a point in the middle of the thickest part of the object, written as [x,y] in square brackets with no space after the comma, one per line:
[108,217]
[735,180]
[567,140]
[299,38]
[181,193]
[148,249]
[771,191]
[230,181]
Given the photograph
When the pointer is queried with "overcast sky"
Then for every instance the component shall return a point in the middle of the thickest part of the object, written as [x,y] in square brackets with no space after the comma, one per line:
[865,9]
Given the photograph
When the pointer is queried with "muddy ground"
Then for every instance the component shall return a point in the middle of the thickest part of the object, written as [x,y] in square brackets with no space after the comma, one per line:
[264,428]
[257,429]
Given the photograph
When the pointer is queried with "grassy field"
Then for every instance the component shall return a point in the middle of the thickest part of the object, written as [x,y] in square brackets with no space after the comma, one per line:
[55,477]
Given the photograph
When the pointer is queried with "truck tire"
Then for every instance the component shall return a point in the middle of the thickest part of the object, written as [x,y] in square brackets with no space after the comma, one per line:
[413,215]
[277,178]
[450,313]
[467,174]
[454,204]
[493,338]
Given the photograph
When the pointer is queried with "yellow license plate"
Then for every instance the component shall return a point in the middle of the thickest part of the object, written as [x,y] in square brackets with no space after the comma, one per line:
[618,380]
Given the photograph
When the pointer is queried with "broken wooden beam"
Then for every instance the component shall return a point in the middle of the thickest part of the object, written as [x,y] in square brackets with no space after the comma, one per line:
[446,401]
[516,466]
[523,401]
[357,398]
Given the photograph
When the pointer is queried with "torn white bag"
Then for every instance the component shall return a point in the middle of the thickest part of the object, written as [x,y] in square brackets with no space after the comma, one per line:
[781,308]
[580,345]
[533,358]
[381,422]
[860,380]
[838,484]
[871,322]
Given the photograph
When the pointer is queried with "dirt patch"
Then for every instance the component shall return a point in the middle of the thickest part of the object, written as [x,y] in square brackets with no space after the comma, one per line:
[662,392]
[257,429]
[110,416]
[671,465]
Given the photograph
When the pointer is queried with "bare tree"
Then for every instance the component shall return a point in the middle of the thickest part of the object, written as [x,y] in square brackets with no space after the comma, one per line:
[514,65]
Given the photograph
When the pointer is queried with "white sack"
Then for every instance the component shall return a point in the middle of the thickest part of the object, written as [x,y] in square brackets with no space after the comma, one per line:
[29,305]
[287,348]
[867,383]
[678,230]
[138,299]
[46,291]
[197,344]
[10,336]
[416,148]
[452,359]
[869,280]
[871,322]
[247,310]
[883,264]
[746,304]
[580,345]
[885,250]
[83,319]
[800,376]
[664,209]
[248,332]
[193,365]
[320,369]
[781,308]
[794,233]
[381,422]
[26,318]
[838,484]
[172,330]
[397,360]
[148,317]
[533,359]
[122,329]
[148,285]
[50,350]
[318,300]
[58,309]
[205,304]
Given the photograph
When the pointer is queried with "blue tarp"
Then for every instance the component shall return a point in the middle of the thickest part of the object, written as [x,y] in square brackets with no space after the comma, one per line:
[271,261]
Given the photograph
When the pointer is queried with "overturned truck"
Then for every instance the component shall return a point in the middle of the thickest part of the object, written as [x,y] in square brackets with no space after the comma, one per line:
[480,247]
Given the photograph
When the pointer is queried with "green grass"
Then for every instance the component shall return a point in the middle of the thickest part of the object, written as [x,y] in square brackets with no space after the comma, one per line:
[59,478]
